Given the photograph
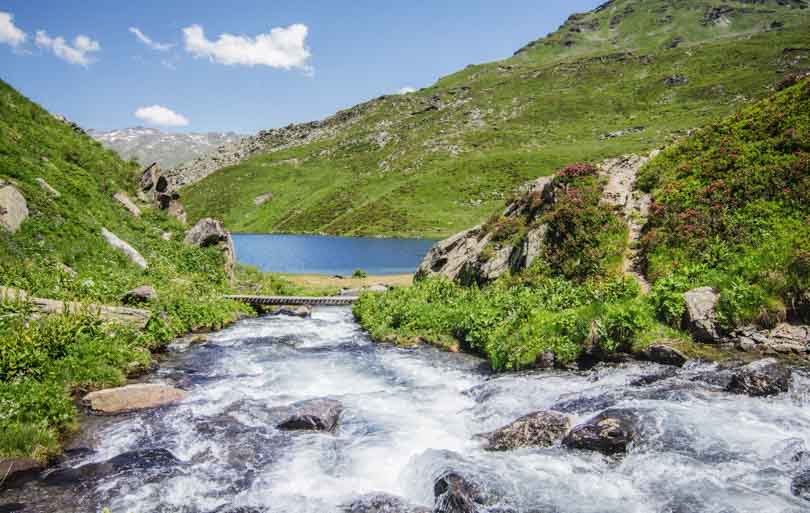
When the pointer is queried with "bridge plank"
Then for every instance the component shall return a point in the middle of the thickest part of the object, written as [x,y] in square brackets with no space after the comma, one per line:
[294,300]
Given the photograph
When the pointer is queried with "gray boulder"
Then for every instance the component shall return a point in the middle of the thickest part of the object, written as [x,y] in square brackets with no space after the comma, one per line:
[450,257]
[664,355]
[150,177]
[302,311]
[123,199]
[16,471]
[143,294]
[262,199]
[611,432]
[539,429]
[47,188]
[13,208]
[700,318]
[761,378]
[312,415]
[207,232]
[114,241]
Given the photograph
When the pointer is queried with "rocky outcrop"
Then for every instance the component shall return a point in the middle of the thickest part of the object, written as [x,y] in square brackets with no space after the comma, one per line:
[123,199]
[312,415]
[266,141]
[381,503]
[143,294]
[13,207]
[133,316]
[700,318]
[47,188]
[665,355]
[783,339]
[210,232]
[611,432]
[481,255]
[761,378]
[207,232]
[539,429]
[130,398]
[114,241]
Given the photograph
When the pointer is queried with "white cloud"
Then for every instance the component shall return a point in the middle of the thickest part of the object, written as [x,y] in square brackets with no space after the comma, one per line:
[9,33]
[143,38]
[76,54]
[407,90]
[283,48]
[161,116]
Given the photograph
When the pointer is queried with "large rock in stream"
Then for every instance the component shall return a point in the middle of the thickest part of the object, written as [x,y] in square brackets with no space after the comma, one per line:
[611,432]
[761,378]
[539,429]
[132,398]
[312,415]
[382,503]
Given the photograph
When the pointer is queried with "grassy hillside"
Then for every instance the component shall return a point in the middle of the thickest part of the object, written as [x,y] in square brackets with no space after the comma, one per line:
[630,76]
[59,253]
[731,210]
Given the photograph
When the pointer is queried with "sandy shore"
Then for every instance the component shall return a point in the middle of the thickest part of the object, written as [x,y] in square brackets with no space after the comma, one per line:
[319,281]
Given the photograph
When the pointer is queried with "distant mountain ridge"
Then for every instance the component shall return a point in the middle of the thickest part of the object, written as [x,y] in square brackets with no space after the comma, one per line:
[147,145]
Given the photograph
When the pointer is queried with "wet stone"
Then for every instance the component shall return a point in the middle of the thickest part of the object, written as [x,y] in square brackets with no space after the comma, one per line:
[141,461]
[611,432]
[455,494]
[313,415]
[539,429]
[382,503]
[761,378]
[800,485]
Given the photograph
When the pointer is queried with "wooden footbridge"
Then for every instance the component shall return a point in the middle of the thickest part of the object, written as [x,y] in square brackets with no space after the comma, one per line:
[294,300]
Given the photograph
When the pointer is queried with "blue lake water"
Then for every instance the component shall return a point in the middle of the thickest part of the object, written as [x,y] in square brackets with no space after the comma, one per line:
[316,254]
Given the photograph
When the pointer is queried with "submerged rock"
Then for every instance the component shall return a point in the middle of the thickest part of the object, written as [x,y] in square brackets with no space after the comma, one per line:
[700,318]
[456,494]
[147,460]
[381,503]
[302,311]
[610,432]
[313,415]
[16,471]
[664,355]
[761,378]
[800,485]
[132,398]
[539,429]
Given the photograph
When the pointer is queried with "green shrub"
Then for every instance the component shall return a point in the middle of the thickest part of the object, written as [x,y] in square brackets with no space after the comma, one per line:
[359,273]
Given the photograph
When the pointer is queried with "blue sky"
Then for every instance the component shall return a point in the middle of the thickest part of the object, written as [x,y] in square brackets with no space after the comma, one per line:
[290,61]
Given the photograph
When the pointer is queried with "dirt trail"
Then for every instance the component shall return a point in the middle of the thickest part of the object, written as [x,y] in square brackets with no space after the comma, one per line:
[621,174]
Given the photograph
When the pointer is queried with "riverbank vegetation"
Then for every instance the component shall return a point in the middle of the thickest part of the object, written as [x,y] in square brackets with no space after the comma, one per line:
[47,362]
[730,210]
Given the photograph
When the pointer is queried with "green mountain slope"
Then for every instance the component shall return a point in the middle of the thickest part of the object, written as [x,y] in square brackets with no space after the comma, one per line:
[59,253]
[630,76]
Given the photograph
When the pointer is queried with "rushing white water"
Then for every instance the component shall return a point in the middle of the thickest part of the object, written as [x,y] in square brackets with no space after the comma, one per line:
[412,414]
